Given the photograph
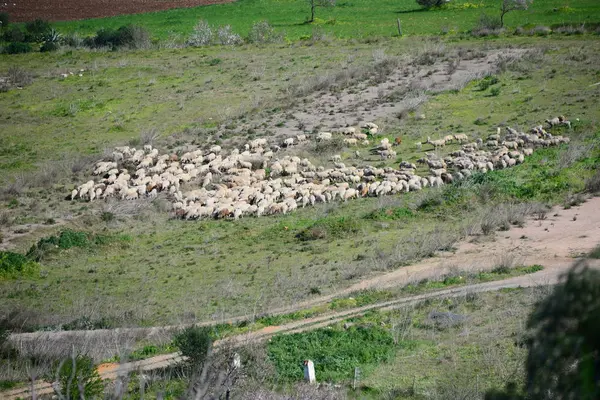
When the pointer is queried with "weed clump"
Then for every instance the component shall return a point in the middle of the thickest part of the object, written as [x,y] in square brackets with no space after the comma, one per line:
[332,350]
[263,32]
[78,378]
[15,264]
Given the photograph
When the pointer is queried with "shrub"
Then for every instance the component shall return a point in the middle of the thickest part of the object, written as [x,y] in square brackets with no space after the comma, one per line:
[330,227]
[592,184]
[487,25]
[4,20]
[13,34]
[194,343]
[72,40]
[15,264]
[334,351]
[202,36]
[595,253]
[131,36]
[263,32]
[36,30]
[227,37]
[19,76]
[495,91]
[17,48]
[49,46]
[75,374]
[432,3]
[65,240]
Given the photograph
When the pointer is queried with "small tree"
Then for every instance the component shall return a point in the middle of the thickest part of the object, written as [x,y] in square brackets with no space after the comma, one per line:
[195,343]
[511,5]
[318,3]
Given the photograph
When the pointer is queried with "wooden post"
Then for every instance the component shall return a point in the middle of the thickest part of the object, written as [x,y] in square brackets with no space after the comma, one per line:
[399,27]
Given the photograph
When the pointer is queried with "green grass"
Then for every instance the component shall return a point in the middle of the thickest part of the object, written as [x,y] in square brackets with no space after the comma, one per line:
[349,19]
[335,352]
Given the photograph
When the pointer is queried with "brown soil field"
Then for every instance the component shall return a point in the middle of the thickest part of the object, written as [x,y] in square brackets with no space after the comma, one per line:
[63,10]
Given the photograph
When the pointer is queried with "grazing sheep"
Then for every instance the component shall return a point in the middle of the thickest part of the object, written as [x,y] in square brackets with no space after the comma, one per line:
[324,136]
[289,142]
[436,143]
[460,138]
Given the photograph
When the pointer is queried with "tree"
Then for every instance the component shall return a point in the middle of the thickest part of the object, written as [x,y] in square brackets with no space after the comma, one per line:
[318,3]
[511,5]
[564,350]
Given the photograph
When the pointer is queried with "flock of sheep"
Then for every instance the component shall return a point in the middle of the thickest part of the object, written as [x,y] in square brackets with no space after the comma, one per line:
[257,182]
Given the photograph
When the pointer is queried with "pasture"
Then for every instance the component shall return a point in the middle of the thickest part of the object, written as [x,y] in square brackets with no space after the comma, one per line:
[357,19]
[177,270]
[113,263]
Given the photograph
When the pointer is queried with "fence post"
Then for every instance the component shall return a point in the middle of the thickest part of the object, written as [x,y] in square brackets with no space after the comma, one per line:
[399,27]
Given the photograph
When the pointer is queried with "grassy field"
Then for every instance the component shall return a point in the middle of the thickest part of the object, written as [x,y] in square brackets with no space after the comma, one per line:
[163,270]
[349,19]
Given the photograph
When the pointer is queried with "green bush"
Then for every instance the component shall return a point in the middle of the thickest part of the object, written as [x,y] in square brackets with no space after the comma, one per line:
[36,30]
[17,48]
[195,344]
[126,36]
[4,20]
[335,352]
[15,264]
[65,240]
[49,46]
[13,34]
[79,372]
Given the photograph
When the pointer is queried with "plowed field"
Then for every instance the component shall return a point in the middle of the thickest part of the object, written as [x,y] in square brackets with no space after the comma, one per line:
[62,10]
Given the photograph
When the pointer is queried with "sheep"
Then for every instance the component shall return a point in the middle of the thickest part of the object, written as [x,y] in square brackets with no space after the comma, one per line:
[460,138]
[289,142]
[336,158]
[347,131]
[324,136]
[301,138]
[351,141]
[448,138]
[397,141]
[436,143]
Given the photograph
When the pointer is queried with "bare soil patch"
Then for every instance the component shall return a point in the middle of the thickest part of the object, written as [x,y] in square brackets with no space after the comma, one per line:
[65,10]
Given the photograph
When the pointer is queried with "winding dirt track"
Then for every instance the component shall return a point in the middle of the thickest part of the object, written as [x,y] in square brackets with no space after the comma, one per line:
[64,10]
[553,242]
